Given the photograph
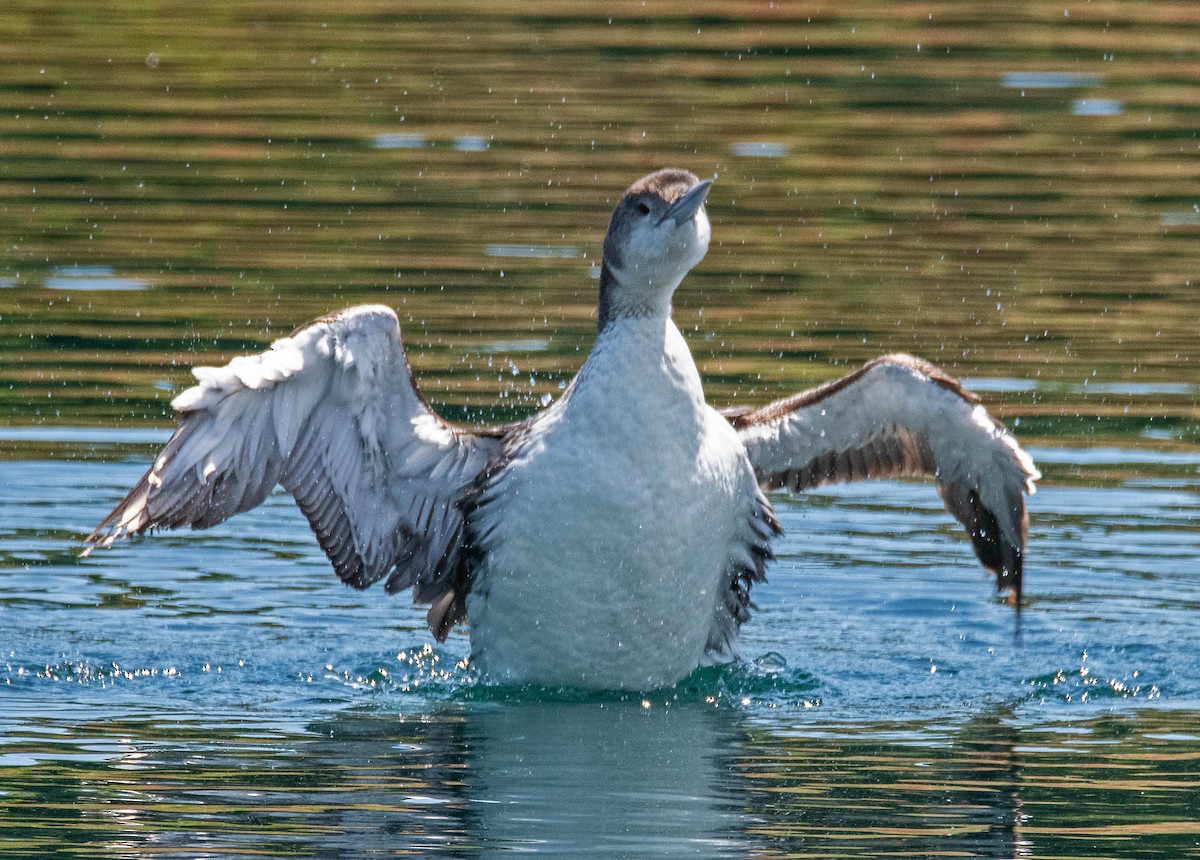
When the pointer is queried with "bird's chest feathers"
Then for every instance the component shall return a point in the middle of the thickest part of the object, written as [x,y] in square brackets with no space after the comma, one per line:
[634,455]
[637,416]
[609,532]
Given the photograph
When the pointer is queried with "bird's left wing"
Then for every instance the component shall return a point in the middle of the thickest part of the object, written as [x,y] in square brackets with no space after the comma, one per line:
[333,414]
[897,416]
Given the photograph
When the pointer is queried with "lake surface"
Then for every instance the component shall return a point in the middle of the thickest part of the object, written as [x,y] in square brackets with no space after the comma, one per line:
[1013,194]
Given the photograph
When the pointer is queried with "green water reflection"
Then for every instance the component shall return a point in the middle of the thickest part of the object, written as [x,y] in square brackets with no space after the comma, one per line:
[919,178]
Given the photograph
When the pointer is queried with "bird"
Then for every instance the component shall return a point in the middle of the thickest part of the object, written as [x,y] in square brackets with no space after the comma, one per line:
[612,539]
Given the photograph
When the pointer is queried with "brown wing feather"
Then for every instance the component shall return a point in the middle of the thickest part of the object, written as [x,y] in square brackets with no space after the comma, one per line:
[899,416]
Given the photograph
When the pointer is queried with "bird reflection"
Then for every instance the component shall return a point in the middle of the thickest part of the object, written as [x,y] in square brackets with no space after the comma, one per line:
[621,777]
[612,778]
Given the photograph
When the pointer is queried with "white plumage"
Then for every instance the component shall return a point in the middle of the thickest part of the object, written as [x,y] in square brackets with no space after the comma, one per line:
[609,541]
[593,556]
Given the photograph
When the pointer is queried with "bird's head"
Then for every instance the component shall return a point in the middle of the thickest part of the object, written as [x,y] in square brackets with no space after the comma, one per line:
[658,232]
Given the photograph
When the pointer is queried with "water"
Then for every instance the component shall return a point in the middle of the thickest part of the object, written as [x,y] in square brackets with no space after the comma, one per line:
[1013,199]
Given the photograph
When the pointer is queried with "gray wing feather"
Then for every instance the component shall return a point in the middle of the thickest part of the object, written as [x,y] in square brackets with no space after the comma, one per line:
[747,567]
[332,414]
[898,416]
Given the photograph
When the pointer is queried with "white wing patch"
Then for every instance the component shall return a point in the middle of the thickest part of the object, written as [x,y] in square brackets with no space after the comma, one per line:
[333,414]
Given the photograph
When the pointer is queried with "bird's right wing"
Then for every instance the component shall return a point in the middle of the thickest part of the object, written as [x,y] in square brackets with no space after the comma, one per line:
[332,413]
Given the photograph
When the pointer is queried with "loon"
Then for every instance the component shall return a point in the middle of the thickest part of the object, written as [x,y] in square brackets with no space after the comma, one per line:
[612,539]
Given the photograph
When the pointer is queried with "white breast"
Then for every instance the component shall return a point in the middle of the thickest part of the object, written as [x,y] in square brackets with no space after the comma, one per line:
[610,531]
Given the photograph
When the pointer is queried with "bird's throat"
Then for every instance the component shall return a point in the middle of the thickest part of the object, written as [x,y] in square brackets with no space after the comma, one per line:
[622,297]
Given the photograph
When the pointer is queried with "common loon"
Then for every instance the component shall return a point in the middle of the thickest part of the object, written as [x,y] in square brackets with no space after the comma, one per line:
[612,539]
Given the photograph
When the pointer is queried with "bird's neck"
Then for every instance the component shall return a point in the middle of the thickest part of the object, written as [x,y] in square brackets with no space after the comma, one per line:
[635,295]
[640,358]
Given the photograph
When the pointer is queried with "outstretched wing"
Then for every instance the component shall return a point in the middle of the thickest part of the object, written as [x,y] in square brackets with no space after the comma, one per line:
[897,416]
[333,414]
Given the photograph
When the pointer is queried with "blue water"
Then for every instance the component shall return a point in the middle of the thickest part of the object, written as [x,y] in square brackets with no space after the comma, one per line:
[224,686]
[875,607]
[222,692]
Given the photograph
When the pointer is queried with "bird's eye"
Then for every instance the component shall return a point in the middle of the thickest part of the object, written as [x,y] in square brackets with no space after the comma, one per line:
[644,208]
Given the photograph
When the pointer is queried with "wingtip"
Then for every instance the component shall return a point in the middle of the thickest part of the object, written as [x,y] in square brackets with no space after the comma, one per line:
[1013,599]
[1010,582]
[998,535]
[102,536]
[106,534]
[93,542]
[1010,571]
[128,518]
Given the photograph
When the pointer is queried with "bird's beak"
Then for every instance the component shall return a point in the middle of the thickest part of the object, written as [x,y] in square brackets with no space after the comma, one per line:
[689,204]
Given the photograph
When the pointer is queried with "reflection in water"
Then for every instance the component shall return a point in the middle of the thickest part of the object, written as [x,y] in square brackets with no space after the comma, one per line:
[890,178]
[886,793]
[596,779]
[611,779]
[547,252]
[759,149]
[1050,80]
[398,140]
[92,278]
[604,779]
[470,143]
[1182,219]
[1096,107]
